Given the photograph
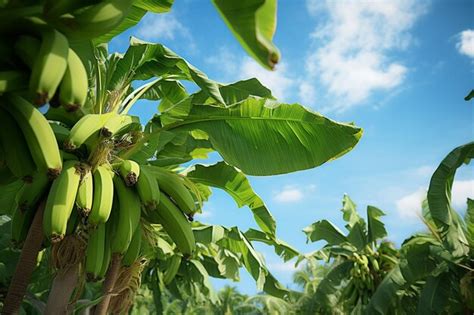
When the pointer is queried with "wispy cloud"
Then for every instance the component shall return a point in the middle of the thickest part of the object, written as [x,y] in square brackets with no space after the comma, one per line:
[409,206]
[462,189]
[233,67]
[288,266]
[289,194]
[158,27]
[277,81]
[354,47]
[465,44]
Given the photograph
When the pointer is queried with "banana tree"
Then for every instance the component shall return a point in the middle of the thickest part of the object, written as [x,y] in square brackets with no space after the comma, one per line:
[437,266]
[359,260]
[126,181]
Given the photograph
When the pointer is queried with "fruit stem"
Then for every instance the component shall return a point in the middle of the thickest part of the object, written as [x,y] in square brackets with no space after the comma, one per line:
[109,283]
[61,290]
[26,264]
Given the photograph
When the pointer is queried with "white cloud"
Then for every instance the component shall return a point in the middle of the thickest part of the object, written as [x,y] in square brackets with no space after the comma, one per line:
[277,81]
[156,27]
[409,206]
[283,266]
[461,190]
[204,214]
[465,44]
[234,67]
[289,194]
[353,47]
[424,171]
[307,93]
[226,61]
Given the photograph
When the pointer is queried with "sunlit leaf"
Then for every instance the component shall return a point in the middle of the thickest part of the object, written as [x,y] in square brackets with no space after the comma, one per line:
[282,249]
[253,23]
[324,230]
[376,228]
[262,137]
[234,182]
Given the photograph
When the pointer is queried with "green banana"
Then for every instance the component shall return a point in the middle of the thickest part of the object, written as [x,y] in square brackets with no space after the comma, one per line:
[148,189]
[172,270]
[129,209]
[20,225]
[103,196]
[32,191]
[95,251]
[133,250]
[175,224]
[120,124]
[74,85]
[66,156]
[107,257]
[60,132]
[61,115]
[351,301]
[12,80]
[173,185]
[72,223]
[374,263]
[95,20]
[16,152]
[85,129]
[60,202]
[38,134]
[49,66]
[85,194]
[27,48]
[130,172]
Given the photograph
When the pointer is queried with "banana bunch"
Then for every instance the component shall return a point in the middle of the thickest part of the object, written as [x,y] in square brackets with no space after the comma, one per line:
[364,274]
[30,144]
[47,67]
[43,64]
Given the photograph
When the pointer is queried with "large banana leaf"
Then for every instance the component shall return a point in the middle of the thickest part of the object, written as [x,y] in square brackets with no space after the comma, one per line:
[262,137]
[358,235]
[435,295]
[234,182]
[235,92]
[253,23]
[329,287]
[376,228]
[179,152]
[469,219]
[136,13]
[206,234]
[385,296]
[254,263]
[349,212]
[143,61]
[155,6]
[324,230]
[282,248]
[439,199]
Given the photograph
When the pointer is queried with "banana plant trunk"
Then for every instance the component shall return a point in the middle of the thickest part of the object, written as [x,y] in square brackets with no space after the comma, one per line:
[26,264]
[108,285]
[61,290]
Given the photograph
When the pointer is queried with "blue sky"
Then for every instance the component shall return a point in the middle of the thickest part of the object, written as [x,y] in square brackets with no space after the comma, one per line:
[399,69]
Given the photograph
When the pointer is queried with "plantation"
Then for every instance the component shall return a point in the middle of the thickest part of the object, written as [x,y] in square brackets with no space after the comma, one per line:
[102,212]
